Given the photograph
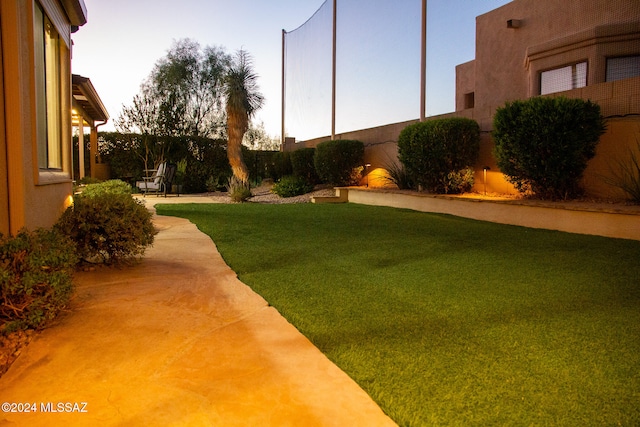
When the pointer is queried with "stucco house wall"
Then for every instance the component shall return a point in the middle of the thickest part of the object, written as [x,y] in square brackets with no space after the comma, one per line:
[31,196]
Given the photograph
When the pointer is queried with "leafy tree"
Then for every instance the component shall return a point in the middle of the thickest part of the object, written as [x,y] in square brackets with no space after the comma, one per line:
[195,95]
[188,85]
[256,138]
[243,99]
[181,97]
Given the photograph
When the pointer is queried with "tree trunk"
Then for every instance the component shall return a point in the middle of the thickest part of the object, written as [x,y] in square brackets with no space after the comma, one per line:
[236,128]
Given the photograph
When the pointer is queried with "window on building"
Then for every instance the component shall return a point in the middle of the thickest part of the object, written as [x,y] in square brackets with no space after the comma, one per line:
[566,78]
[469,100]
[623,68]
[48,96]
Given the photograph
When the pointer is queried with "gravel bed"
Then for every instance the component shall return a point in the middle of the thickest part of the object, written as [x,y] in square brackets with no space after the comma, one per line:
[263,194]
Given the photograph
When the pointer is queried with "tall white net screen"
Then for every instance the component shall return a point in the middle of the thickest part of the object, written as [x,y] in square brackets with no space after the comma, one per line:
[307,73]
[378,67]
[378,63]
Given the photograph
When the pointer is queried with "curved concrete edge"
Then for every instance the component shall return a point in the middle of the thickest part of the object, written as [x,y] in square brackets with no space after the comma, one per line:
[178,340]
[606,224]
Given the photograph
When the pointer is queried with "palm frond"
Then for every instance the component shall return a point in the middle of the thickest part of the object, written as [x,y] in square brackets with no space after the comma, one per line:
[241,89]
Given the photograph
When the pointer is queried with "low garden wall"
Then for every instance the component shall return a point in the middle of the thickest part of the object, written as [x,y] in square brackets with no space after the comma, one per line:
[608,220]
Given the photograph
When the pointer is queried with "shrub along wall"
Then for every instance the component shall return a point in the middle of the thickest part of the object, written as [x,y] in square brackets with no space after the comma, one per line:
[35,279]
[543,144]
[339,162]
[302,165]
[439,154]
[107,224]
[104,224]
[619,106]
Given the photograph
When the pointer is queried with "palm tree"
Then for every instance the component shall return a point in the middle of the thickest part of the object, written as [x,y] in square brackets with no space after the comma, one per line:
[243,100]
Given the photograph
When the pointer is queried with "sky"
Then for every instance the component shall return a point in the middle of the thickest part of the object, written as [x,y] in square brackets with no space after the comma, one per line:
[123,39]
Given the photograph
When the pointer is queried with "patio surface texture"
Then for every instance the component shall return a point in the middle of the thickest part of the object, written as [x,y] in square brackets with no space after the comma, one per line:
[177,340]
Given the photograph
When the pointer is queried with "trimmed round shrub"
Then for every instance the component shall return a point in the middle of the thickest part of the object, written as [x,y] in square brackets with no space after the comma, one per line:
[543,144]
[107,227]
[35,278]
[339,162]
[437,153]
[290,186]
[302,164]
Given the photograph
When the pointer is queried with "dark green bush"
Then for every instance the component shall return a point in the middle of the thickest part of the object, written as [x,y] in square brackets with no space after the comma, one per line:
[258,162]
[217,183]
[339,162]
[280,165]
[290,186]
[431,151]
[206,159]
[302,164]
[107,226]
[35,278]
[543,144]
[113,186]
[124,153]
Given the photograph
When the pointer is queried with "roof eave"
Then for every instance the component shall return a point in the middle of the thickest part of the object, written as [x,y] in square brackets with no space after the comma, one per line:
[76,11]
[86,87]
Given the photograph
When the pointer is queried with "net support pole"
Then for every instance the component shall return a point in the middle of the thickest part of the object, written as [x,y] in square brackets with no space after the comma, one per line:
[423,64]
[283,92]
[333,73]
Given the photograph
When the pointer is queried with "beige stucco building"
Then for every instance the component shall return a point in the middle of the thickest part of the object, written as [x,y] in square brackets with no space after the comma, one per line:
[36,110]
[526,48]
[574,48]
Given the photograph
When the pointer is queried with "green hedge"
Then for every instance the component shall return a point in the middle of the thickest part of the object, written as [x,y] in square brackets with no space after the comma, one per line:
[543,144]
[280,165]
[339,162]
[206,161]
[437,154]
[302,164]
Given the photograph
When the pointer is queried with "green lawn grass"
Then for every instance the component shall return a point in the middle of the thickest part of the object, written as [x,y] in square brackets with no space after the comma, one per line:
[445,320]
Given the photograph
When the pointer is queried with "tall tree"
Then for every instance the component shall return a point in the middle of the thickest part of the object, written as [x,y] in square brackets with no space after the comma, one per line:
[183,95]
[188,83]
[243,100]
[257,138]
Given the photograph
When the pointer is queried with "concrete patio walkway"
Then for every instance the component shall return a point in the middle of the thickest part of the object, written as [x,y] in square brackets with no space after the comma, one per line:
[177,340]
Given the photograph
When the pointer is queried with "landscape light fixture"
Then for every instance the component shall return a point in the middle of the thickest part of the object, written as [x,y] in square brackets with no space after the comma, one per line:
[367,166]
[484,178]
